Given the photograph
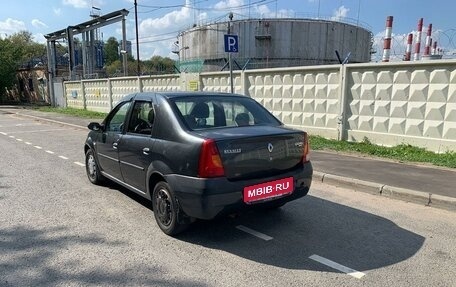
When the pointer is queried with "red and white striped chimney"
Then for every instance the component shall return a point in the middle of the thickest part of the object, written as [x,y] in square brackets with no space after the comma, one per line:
[408,51]
[427,48]
[416,56]
[387,41]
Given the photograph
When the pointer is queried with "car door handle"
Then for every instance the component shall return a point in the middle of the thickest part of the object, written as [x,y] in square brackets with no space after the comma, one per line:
[114,145]
[146,151]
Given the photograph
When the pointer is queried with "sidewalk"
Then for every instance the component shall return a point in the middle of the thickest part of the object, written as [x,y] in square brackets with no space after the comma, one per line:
[427,185]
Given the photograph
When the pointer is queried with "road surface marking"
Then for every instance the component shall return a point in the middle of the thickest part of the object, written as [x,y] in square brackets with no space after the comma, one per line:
[78,163]
[51,152]
[28,143]
[63,157]
[12,137]
[19,140]
[38,131]
[38,147]
[254,233]
[5,134]
[337,266]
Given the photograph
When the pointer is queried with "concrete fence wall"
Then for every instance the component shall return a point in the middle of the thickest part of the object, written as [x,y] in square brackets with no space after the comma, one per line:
[387,103]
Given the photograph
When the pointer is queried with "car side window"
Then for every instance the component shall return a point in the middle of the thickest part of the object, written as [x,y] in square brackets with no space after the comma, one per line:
[142,118]
[115,123]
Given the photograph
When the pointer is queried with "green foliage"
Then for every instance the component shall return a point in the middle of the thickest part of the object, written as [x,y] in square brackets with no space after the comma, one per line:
[401,152]
[114,69]
[73,112]
[158,65]
[111,51]
[16,50]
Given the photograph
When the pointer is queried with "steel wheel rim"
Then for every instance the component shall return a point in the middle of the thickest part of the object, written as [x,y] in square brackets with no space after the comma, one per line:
[92,166]
[163,207]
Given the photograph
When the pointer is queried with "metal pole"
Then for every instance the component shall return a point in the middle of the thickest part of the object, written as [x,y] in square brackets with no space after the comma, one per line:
[230,60]
[124,47]
[137,38]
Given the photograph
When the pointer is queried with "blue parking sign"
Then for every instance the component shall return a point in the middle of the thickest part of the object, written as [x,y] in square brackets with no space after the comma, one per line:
[231,43]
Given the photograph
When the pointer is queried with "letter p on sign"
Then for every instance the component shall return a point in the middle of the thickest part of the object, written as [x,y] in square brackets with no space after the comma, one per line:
[231,43]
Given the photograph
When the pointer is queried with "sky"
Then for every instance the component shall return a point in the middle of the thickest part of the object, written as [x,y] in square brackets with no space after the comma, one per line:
[161,20]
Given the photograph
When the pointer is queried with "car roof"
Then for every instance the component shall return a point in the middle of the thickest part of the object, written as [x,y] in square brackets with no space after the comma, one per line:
[169,95]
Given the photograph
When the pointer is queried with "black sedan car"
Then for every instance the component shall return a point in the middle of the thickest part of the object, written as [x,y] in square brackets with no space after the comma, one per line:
[198,155]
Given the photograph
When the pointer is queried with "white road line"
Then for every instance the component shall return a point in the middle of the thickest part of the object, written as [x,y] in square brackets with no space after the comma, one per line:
[12,137]
[63,157]
[28,143]
[5,134]
[51,152]
[38,147]
[254,233]
[38,131]
[337,266]
[78,163]
[19,140]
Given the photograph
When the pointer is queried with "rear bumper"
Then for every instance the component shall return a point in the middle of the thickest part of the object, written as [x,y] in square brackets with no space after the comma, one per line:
[206,198]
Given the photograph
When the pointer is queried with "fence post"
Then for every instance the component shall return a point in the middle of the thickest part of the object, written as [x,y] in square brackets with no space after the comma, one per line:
[65,96]
[244,83]
[140,85]
[110,94]
[342,118]
[84,100]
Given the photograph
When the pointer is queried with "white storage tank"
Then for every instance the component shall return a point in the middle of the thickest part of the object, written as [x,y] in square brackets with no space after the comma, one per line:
[268,43]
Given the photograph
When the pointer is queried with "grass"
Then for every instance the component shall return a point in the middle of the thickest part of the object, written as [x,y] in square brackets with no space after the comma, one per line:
[73,112]
[403,152]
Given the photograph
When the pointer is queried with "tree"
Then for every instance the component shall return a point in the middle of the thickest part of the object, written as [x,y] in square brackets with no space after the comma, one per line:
[16,50]
[111,51]
[158,65]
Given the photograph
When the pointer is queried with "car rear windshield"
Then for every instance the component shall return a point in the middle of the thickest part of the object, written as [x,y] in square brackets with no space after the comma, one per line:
[222,111]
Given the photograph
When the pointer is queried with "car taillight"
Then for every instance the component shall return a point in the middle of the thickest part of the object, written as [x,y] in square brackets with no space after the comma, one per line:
[306,149]
[210,163]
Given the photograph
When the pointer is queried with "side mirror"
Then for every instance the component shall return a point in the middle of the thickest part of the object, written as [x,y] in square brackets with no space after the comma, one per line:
[95,126]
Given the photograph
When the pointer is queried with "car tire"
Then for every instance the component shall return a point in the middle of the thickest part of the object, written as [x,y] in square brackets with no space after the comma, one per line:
[167,210]
[92,169]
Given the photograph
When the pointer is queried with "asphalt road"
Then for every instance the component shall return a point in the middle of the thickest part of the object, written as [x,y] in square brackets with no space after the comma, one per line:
[57,229]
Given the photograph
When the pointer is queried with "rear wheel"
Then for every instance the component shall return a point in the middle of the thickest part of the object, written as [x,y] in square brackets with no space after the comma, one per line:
[92,169]
[167,210]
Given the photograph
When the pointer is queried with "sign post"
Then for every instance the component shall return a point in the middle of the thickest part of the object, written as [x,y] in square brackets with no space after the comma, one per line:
[231,46]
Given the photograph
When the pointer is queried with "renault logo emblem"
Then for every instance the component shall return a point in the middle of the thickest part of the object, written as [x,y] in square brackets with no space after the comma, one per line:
[270,147]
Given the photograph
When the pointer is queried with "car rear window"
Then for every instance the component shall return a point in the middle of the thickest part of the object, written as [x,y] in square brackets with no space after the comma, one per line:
[222,111]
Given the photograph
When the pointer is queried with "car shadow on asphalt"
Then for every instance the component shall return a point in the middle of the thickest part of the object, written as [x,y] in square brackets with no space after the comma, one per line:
[309,226]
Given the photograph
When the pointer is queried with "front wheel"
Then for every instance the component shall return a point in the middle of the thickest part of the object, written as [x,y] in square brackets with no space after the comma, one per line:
[166,209]
[92,169]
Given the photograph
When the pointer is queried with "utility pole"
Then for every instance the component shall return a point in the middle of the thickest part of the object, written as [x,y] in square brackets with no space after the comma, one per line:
[138,70]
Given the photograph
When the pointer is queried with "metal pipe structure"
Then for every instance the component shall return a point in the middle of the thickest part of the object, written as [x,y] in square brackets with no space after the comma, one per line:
[434,48]
[408,51]
[416,56]
[427,48]
[387,41]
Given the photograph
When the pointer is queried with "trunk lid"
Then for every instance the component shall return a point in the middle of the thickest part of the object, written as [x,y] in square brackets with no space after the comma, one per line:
[249,153]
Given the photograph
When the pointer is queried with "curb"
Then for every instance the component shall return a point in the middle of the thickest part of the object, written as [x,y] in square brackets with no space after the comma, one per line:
[408,195]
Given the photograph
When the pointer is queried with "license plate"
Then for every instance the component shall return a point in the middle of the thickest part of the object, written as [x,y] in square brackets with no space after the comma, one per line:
[268,190]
